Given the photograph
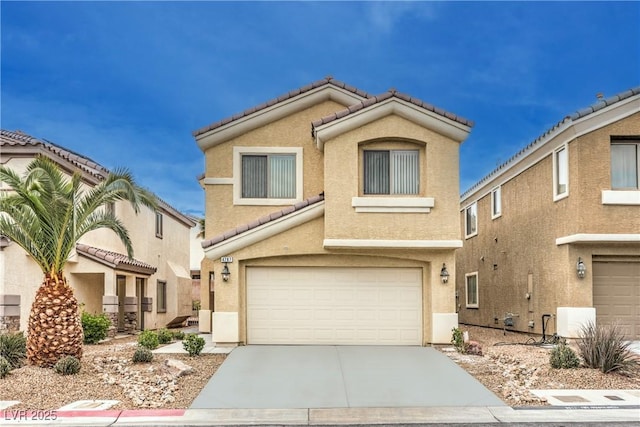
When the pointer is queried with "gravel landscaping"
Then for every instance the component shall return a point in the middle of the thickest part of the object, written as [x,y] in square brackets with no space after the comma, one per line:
[510,369]
[507,368]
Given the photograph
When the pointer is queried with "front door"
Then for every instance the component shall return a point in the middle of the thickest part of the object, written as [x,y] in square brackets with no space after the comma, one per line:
[140,289]
[121,291]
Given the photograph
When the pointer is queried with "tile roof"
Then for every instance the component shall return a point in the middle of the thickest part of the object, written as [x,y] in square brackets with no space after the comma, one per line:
[20,139]
[85,164]
[262,220]
[326,81]
[391,93]
[115,260]
[602,103]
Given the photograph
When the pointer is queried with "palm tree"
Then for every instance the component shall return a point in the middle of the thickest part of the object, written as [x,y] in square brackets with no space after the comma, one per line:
[46,214]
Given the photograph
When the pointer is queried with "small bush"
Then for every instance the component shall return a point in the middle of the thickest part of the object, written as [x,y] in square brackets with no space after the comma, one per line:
[178,335]
[563,357]
[68,365]
[457,339]
[95,327]
[149,339]
[142,355]
[164,336]
[13,348]
[193,344]
[5,367]
[604,347]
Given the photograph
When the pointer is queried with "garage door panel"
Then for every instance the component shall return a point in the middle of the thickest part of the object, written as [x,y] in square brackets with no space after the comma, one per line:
[343,306]
[616,295]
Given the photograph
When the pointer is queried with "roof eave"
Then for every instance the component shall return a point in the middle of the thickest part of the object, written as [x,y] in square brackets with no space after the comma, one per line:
[213,137]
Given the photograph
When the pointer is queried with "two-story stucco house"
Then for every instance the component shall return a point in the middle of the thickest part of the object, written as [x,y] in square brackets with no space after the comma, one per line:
[331,218]
[142,293]
[556,229]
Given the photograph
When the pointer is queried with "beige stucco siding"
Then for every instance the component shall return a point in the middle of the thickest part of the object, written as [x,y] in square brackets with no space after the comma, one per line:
[293,131]
[438,179]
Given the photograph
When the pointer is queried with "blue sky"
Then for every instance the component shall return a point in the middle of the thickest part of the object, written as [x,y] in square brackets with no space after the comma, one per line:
[126,83]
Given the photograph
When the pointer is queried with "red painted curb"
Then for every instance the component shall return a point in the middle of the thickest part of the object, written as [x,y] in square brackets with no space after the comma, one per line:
[44,415]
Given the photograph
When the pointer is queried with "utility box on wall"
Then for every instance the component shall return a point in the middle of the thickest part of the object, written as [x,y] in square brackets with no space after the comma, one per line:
[570,320]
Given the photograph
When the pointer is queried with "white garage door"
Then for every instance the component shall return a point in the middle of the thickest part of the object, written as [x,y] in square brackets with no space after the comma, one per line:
[315,305]
[616,295]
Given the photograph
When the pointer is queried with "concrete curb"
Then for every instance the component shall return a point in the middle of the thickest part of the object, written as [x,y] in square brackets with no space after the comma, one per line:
[321,416]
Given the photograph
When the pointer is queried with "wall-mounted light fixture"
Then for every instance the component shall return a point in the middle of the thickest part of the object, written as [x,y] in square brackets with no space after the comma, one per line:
[225,272]
[581,269]
[444,274]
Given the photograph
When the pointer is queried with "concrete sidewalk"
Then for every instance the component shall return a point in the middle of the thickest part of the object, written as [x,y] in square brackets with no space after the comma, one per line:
[329,416]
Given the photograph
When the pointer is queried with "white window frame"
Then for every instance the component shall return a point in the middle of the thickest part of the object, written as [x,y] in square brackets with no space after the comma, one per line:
[637,145]
[238,152]
[496,202]
[466,226]
[391,173]
[466,290]
[556,179]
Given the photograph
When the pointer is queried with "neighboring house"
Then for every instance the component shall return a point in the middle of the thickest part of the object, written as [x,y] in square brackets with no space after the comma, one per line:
[142,293]
[556,229]
[337,211]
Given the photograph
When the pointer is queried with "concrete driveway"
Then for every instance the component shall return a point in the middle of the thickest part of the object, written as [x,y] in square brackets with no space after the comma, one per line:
[289,377]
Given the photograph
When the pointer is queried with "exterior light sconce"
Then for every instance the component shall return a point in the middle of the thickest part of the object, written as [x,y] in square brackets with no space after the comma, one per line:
[444,274]
[581,269]
[225,272]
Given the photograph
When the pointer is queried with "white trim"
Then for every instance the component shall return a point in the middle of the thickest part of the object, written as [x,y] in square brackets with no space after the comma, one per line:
[475,233]
[392,244]
[218,181]
[598,238]
[614,197]
[265,231]
[559,196]
[393,204]
[275,112]
[238,152]
[497,190]
[545,145]
[428,119]
[466,291]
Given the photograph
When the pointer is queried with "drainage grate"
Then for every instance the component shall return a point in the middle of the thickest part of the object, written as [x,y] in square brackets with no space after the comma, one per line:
[570,399]
[614,398]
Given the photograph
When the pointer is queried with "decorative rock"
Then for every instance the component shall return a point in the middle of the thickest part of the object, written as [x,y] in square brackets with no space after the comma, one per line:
[177,368]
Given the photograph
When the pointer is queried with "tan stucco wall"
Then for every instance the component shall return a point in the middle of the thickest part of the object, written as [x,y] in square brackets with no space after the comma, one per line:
[291,131]
[302,246]
[522,241]
[438,179]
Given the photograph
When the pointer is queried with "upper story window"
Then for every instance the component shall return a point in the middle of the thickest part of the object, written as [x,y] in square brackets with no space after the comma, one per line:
[496,202]
[391,172]
[158,224]
[560,173]
[625,165]
[471,220]
[270,176]
[267,175]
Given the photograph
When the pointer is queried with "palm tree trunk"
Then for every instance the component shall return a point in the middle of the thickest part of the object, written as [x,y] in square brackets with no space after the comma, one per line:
[54,328]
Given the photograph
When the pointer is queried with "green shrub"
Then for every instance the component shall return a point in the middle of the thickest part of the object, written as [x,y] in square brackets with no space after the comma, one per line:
[563,357]
[164,336]
[605,347]
[68,365]
[149,339]
[178,335]
[142,355]
[457,339]
[95,327]
[5,367]
[193,344]
[13,347]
